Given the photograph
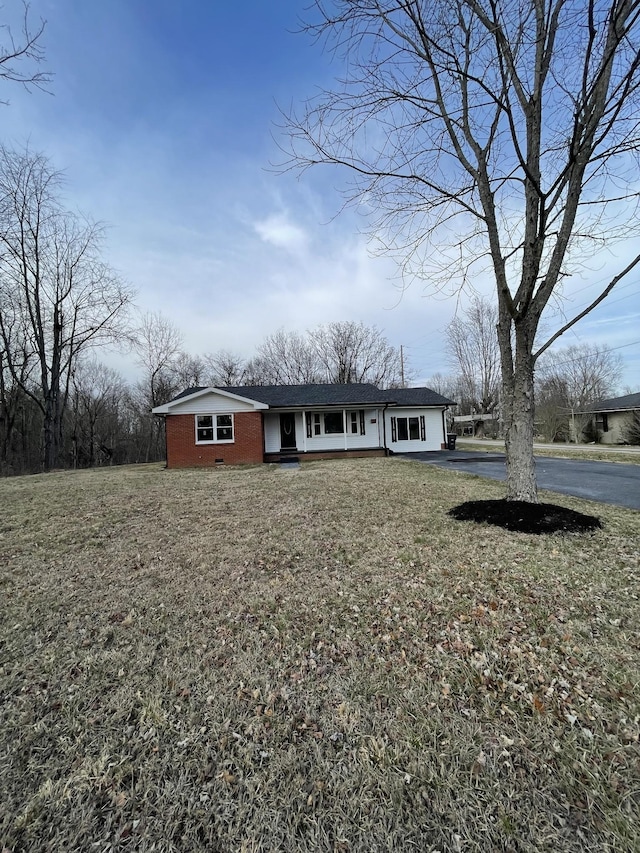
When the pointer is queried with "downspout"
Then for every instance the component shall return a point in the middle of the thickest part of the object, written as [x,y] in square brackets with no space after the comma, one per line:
[166,442]
[384,429]
[444,427]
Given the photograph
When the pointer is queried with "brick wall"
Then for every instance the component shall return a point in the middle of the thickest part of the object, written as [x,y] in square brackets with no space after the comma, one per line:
[183,452]
[325,454]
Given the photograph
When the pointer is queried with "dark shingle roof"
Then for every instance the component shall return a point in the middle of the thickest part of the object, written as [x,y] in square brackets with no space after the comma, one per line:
[615,404]
[278,396]
[353,394]
[416,397]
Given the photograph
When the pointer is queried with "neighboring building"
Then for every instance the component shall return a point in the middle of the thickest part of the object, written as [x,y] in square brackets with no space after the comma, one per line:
[610,418]
[478,425]
[250,424]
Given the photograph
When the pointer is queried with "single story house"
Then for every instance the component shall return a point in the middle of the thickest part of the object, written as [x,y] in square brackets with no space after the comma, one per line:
[612,417]
[477,424]
[265,423]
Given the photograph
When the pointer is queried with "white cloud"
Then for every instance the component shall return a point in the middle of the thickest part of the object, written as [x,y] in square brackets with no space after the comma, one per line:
[230,252]
[280,232]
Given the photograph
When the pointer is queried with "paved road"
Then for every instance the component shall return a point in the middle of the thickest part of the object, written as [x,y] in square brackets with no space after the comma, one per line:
[605,482]
[467,443]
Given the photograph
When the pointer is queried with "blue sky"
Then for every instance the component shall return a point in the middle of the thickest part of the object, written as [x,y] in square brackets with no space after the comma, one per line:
[163,116]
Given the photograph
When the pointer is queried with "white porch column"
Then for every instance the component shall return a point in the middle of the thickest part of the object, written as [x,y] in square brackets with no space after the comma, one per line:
[344,427]
[304,431]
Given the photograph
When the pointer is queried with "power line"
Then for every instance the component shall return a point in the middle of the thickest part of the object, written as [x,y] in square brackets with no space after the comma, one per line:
[579,358]
[596,284]
[608,302]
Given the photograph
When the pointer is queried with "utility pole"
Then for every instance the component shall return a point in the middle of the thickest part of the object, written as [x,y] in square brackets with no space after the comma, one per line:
[401,366]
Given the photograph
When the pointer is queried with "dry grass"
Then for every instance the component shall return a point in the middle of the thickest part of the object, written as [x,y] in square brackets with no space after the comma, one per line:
[594,453]
[317,660]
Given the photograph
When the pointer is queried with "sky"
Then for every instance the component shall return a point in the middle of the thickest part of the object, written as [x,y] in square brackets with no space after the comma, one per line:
[164,117]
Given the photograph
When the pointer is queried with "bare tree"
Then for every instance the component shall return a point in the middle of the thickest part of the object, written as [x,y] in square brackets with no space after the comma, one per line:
[157,343]
[445,384]
[14,51]
[97,391]
[57,297]
[340,352]
[568,380]
[352,352]
[284,358]
[631,432]
[490,135]
[225,368]
[475,355]
[13,402]
[190,371]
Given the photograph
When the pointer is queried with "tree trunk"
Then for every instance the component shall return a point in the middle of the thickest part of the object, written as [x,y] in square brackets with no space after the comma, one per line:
[52,431]
[521,474]
[49,432]
[518,412]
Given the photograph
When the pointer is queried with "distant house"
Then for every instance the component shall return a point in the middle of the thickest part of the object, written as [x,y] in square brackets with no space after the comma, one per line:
[477,424]
[611,417]
[266,423]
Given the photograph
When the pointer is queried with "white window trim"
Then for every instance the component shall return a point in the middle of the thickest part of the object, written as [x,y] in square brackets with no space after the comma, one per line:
[215,416]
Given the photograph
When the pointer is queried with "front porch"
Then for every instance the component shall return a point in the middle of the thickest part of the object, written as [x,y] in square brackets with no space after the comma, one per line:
[308,456]
[320,433]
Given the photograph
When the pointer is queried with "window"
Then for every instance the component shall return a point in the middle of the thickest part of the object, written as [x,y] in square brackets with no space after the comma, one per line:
[214,429]
[356,422]
[313,424]
[333,423]
[602,422]
[408,429]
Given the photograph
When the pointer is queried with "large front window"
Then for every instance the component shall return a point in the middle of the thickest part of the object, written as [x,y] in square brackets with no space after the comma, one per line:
[333,423]
[408,429]
[214,429]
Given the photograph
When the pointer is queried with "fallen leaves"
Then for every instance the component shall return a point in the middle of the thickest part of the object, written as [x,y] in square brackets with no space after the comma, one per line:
[334,675]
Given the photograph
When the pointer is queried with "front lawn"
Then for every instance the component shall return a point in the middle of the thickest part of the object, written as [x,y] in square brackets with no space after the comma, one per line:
[311,660]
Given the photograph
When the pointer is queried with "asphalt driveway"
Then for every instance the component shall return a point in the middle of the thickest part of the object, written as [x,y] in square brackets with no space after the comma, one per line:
[605,482]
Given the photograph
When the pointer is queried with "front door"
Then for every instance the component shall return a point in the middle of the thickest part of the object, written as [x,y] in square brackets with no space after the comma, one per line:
[287,431]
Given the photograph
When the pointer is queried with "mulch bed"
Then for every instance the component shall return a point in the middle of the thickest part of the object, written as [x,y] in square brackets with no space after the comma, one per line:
[526,517]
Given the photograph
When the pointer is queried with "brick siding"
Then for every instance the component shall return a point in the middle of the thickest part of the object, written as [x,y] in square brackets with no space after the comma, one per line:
[325,454]
[183,452]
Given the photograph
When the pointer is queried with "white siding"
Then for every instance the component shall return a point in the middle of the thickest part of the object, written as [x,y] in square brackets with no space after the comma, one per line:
[272,432]
[617,423]
[434,433]
[371,437]
[209,404]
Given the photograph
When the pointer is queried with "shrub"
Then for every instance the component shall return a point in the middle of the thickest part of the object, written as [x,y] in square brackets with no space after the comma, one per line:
[631,432]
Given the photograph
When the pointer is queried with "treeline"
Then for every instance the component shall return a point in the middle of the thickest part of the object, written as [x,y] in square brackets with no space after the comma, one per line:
[566,380]
[101,419]
[61,304]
